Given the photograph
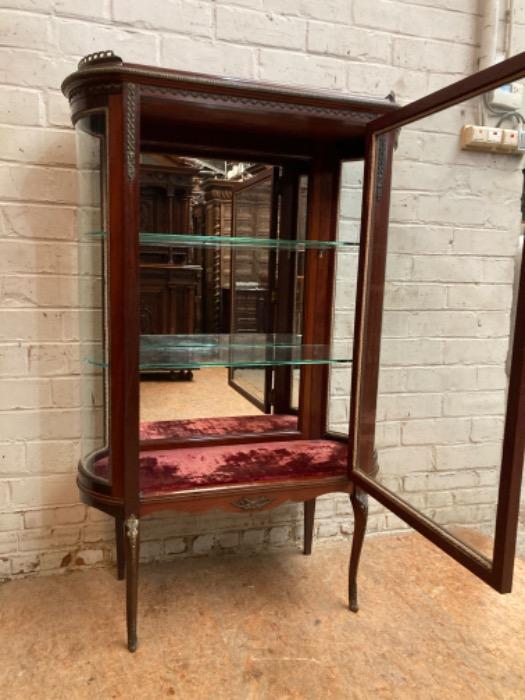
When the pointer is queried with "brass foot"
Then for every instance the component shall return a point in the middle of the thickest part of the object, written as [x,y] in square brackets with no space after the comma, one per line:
[132,566]
[352,597]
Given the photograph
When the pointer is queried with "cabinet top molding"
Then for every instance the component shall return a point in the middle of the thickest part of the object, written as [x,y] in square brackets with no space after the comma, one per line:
[106,68]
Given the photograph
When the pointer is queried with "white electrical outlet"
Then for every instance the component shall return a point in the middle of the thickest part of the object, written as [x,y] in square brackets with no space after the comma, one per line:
[494,135]
[473,136]
[491,138]
[509,139]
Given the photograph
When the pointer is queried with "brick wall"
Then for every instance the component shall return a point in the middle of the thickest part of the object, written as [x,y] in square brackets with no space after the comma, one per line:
[358,46]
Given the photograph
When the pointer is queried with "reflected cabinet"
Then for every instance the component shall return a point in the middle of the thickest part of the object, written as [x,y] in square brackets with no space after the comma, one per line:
[287,293]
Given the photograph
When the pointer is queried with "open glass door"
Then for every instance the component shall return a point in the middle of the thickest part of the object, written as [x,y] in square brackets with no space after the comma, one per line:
[437,425]
[252,278]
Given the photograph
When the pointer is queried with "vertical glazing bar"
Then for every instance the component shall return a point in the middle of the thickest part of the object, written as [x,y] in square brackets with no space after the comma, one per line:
[323,211]
[124,291]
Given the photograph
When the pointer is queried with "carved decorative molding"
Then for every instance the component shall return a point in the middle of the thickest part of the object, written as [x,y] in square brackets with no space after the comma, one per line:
[380,166]
[132,531]
[228,99]
[276,105]
[99,58]
[217,193]
[132,98]
[166,179]
[98,89]
[252,503]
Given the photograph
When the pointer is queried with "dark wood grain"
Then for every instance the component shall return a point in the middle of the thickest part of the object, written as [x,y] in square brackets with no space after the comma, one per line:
[323,202]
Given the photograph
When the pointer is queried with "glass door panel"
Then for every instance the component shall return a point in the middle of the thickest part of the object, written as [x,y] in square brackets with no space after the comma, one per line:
[438,415]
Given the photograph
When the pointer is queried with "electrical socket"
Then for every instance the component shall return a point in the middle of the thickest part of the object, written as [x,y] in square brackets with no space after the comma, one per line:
[488,138]
[509,139]
[473,136]
[494,135]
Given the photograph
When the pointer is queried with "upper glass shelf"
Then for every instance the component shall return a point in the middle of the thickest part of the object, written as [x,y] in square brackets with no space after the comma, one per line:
[174,352]
[236,350]
[184,240]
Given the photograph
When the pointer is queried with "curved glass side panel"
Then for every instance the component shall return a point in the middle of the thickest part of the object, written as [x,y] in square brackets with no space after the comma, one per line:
[92,276]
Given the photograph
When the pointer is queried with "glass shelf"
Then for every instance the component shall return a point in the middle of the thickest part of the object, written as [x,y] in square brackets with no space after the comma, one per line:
[235,350]
[174,352]
[183,240]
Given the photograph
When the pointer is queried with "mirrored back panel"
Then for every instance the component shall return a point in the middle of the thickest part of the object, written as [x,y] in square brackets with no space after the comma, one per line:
[211,247]
[223,251]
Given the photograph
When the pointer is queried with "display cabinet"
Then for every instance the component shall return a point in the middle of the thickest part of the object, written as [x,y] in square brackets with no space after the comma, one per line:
[287,345]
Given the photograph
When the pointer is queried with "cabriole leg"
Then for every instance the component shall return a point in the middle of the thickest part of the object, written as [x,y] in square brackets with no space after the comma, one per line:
[359,500]
[121,554]
[309,513]
[132,577]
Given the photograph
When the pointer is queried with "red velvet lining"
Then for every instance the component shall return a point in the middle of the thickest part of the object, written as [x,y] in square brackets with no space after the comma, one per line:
[163,471]
[231,425]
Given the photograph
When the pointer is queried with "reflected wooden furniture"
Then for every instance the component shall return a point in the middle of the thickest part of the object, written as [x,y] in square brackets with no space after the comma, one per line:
[213,218]
[170,281]
[170,298]
[127,109]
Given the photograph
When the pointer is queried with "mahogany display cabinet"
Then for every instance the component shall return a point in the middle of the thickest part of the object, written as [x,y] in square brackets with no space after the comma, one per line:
[273,263]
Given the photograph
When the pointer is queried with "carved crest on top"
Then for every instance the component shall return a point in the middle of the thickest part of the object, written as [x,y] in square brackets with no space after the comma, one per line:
[97,58]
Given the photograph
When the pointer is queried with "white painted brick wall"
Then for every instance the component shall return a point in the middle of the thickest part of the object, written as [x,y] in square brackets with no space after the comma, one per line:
[359,46]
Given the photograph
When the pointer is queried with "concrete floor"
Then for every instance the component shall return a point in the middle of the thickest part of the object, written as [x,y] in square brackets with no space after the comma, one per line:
[269,625]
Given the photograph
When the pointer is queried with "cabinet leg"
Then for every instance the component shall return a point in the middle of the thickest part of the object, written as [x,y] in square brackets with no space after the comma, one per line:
[132,576]
[359,500]
[309,513]
[121,554]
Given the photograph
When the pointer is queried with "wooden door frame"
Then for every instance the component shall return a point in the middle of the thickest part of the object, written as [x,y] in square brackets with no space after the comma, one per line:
[381,135]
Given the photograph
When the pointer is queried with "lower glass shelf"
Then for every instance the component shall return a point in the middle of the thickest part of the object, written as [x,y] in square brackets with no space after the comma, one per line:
[177,352]
[185,240]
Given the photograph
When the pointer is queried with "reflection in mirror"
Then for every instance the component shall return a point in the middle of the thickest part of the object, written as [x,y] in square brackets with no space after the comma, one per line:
[298,281]
[195,290]
[252,274]
[454,245]
[92,278]
[340,377]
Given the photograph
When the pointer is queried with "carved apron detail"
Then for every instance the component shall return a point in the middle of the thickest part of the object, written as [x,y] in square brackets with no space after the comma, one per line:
[252,503]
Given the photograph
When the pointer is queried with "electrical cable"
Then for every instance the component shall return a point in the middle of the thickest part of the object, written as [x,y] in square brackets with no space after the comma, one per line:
[510,115]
